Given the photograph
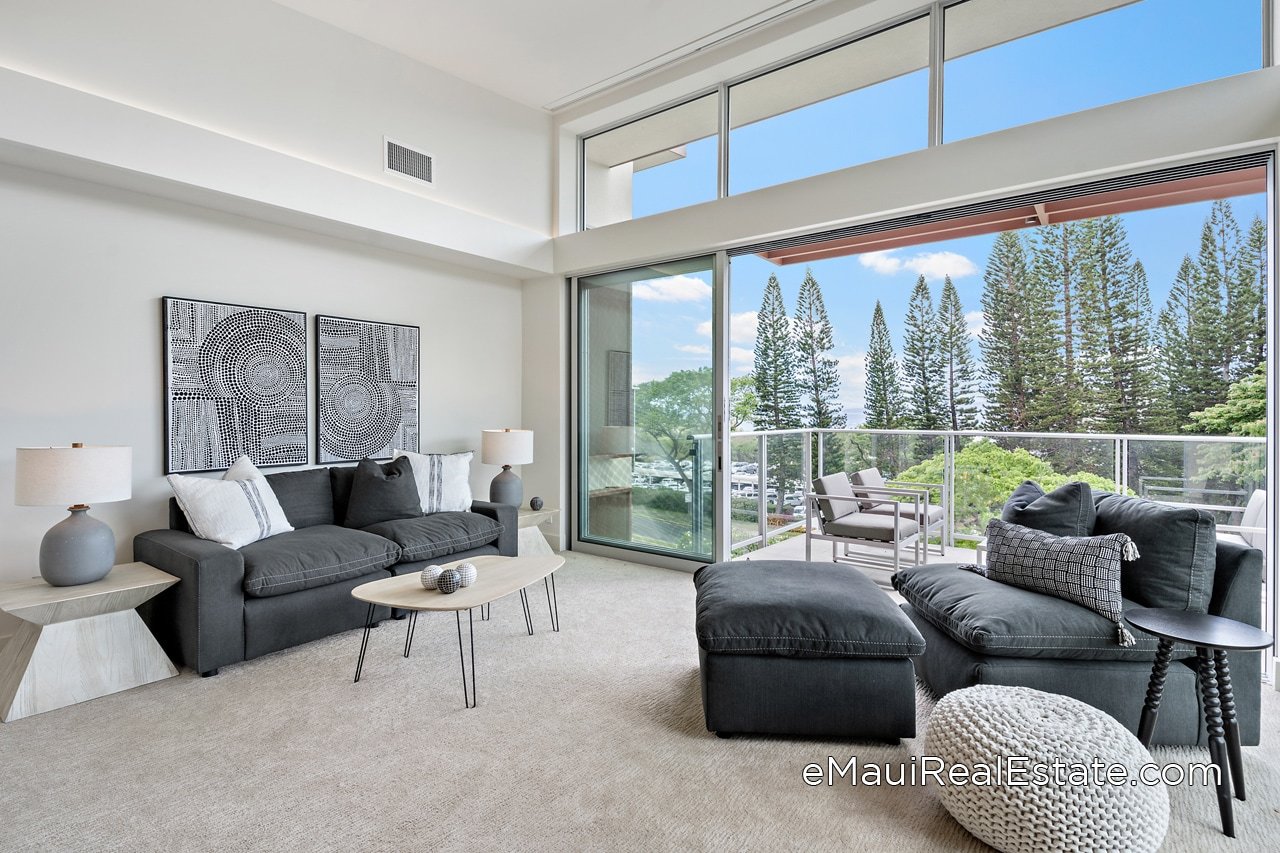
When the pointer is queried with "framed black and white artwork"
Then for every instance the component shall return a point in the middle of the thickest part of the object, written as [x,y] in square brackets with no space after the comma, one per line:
[235,382]
[367,395]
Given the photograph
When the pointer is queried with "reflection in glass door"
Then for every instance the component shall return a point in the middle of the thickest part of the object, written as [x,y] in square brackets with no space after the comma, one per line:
[646,409]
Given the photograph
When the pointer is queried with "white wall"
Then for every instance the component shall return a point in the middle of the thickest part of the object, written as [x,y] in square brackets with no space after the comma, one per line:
[81,275]
[545,383]
[262,73]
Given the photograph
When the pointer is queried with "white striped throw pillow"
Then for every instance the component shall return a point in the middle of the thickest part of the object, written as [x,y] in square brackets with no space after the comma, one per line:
[444,480]
[238,509]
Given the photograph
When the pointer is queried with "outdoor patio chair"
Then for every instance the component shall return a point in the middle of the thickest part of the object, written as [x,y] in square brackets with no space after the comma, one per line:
[935,513]
[837,513]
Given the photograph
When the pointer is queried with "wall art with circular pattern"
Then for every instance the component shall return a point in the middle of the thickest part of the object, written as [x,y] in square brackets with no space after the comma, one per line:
[235,382]
[367,399]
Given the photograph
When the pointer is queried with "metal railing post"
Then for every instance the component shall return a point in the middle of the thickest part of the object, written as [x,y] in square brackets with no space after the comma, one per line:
[1123,482]
[762,475]
[949,488]
[1115,469]
[822,465]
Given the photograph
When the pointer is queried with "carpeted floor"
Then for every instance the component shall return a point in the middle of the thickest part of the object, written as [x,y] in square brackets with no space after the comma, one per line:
[587,739]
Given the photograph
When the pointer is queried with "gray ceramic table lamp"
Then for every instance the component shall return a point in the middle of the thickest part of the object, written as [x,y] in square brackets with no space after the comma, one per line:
[506,447]
[79,549]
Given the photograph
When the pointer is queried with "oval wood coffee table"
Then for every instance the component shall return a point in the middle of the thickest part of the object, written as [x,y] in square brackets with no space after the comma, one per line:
[495,577]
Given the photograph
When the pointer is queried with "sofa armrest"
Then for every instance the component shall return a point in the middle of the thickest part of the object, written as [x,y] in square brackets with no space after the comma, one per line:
[1237,583]
[200,620]
[506,515]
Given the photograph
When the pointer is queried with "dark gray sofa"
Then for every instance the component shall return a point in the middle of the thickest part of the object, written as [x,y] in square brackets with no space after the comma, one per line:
[979,631]
[236,605]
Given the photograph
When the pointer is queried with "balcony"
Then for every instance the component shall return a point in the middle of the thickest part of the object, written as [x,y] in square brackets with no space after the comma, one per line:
[975,471]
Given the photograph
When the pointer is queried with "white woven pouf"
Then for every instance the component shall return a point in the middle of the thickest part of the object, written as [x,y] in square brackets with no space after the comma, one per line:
[987,726]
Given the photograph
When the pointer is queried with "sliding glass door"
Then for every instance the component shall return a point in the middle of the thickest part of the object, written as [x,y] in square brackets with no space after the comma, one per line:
[646,411]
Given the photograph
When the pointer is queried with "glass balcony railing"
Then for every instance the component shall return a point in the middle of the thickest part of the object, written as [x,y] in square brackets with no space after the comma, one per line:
[976,472]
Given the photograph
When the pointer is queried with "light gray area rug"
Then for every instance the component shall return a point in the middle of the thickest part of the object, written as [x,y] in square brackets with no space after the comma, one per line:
[589,739]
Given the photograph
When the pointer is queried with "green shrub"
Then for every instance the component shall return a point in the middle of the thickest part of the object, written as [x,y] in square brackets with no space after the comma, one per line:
[986,474]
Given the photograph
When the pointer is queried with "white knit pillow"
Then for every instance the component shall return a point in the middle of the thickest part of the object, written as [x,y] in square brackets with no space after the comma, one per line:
[234,511]
[444,480]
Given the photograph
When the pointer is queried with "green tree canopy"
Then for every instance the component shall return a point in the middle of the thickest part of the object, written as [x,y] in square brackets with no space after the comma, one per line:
[1243,413]
[742,400]
[669,410]
[986,474]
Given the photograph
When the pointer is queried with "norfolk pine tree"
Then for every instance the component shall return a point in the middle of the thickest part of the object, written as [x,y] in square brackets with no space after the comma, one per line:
[961,411]
[1115,322]
[777,393]
[1188,335]
[1056,262]
[1019,342]
[922,361]
[882,398]
[882,406]
[819,378]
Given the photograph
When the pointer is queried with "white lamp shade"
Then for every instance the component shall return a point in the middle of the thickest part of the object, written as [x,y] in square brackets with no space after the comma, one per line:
[506,446]
[62,476]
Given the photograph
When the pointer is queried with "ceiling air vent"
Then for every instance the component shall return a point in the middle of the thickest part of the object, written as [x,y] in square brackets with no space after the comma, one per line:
[409,162]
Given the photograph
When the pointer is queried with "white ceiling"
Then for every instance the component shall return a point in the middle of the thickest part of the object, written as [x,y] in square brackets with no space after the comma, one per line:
[545,53]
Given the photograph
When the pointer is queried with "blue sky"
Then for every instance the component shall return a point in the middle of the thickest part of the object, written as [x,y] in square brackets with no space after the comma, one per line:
[1146,47]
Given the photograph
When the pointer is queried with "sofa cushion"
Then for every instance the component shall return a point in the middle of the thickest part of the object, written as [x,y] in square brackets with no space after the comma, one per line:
[305,496]
[836,485]
[798,609]
[311,557]
[382,493]
[1066,511]
[871,478]
[1177,548]
[992,618]
[1084,570]
[907,509]
[438,534]
[872,526]
[341,478]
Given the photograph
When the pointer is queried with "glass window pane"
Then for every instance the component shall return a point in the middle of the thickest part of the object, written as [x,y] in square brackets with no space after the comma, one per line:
[1009,62]
[854,104]
[646,455]
[652,165]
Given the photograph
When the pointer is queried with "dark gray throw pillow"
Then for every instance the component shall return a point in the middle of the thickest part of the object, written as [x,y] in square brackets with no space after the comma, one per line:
[382,493]
[1080,569]
[1066,511]
[1179,551]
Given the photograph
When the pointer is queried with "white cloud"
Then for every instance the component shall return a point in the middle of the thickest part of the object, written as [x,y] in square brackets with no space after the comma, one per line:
[742,356]
[680,288]
[882,262]
[694,349]
[976,321]
[742,327]
[853,384]
[931,265]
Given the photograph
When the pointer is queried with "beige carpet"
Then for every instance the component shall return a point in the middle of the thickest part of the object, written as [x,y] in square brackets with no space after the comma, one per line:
[587,739]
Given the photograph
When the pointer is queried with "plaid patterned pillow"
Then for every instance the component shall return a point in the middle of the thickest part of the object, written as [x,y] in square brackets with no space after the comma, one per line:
[1084,570]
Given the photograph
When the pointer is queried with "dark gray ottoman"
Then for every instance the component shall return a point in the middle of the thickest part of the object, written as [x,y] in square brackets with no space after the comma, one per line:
[795,648]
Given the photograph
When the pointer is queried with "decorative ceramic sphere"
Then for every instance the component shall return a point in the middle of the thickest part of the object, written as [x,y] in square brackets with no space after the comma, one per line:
[449,581]
[535,504]
[467,573]
[429,576]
